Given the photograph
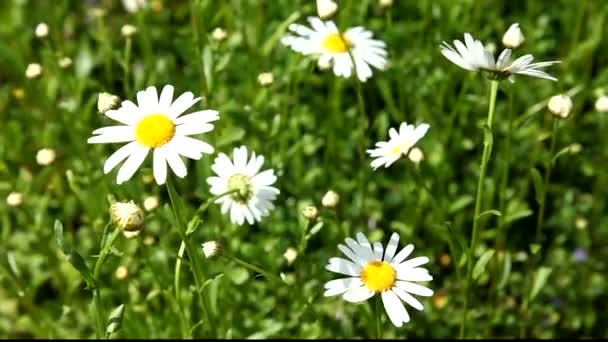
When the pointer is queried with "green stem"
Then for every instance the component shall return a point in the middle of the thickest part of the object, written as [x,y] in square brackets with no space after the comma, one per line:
[107,47]
[502,192]
[178,265]
[252,267]
[97,292]
[195,20]
[127,67]
[487,150]
[378,314]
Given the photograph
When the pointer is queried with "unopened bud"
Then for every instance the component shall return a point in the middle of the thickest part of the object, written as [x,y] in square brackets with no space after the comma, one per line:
[513,37]
[415,155]
[331,199]
[219,34]
[326,8]
[440,299]
[128,217]
[107,101]
[128,30]
[42,30]
[33,70]
[150,203]
[290,255]
[65,62]
[45,156]
[14,199]
[133,6]
[581,223]
[386,3]
[265,78]
[601,104]
[211,249]
[122,272]
[560,105]
[310,212]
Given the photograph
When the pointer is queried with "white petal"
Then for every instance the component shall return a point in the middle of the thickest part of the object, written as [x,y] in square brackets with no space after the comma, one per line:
[351,255]
[414,274]
[404,253]
[408,298]
[119,156]
[414,288]
[358,294]
[176,163]
[391,248]
[181,104]
[159,165]
[378,250]
[343,266]
[339,286]
[166,96]
[394,308]
[415,262]
[132,164]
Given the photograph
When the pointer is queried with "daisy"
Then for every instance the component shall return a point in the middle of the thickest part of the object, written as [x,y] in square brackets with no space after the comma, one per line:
[392,277]
[155,124]
[400,143]
[473,56]
[252,194]
[325,40]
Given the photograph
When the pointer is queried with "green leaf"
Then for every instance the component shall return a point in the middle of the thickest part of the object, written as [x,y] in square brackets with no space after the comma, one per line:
[280,31]
[73,257]
[115,320]
[208,66]
[460,203]
[540,278]
[230,135]
[506,270]
[518,215]
[489,212]
[481,264]
[316,228]
[539,187]
[560,153]
[193,225]
[534,248]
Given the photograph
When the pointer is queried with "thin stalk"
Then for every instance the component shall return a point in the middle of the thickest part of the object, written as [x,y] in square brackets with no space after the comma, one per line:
[378,313]
[252,267]
[195,20]
[97,293]
[178,264]
[487,150]
[502,192]
[127,68]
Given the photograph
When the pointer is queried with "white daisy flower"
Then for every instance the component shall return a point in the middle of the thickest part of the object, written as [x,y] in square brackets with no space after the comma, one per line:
[155,123]
[253,194]
[473,56]
[400,143]
[325,40]
[369,273]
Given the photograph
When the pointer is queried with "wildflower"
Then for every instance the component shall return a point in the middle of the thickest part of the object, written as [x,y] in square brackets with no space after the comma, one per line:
[121,272]
[400,143]
[65,62]
[290,255]
[128,30]
[326,8]
[133,6]
[473,56]
[150,203]
[211,249]
[601,104]
[385,3]
[265,78]
[128,217]
[42,30]
[333,47]
[330,199]
[219,34]
[14,199]
[156,124]
[310,212]
[513,38]
[33,70]
[415,155]
[107,101]
[560,105]
[369,273]
[45,156]
[253,194]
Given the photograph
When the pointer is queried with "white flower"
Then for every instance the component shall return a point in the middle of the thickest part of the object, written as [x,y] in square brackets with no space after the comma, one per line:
[386,3]
[513,38]
[33,70]
[128,217]
[253,194]
[560,105]
[65,62]
[310,212]
[326,8]
[128,30]
[330,199]
[370,273]
[473,56]
[14,199]
[133,6]
[45,156]
[219,34]
[150,203]
[290,255]
[42,30]
[265,78]
[106,101]
[601,104]
[211,249]
[400,143]
[325,40]
[157,124]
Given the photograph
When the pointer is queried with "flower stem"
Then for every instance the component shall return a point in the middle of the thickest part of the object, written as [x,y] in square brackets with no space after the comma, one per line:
[127,68]
[378,313]
[97,292]
[252,267]
[194,17]
[487,150]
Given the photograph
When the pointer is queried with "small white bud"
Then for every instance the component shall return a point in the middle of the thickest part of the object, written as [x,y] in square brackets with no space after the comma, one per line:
[45,156]
[150,203]
[265,78]
[513,37]
[219,34]
[128,30]
[310,212]
[330,199]
[415,155]
[14,199]
[290,255]
[581,223]
[326,8]
[575,148]
[65,62]
[122,272]
[128,217]
[33,70]
[560,105]
[385,3]
[97,12]
[211,249]
[324,63]
[133,6]
[106,101]
[42,30]
[601,104]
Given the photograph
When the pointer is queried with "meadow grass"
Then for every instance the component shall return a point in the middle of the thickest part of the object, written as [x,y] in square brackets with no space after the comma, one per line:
[541,237]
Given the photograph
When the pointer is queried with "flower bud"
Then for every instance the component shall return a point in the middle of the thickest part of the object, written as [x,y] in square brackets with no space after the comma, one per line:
[310,212]
[42,30]
[219,34]
[133,6]
[19,93]
[128,217]
[265,78]
[581,223]
[326,8]
[290,255]
[45,156]
[386,3]
[65,62]
[560,105]
[33,70]
[331,199]
[440,299]
[14,199]
[601,104]
[128,30]
[107,101]
[513,37]
[150,203]
[415,155]
[122,272]
[211,249]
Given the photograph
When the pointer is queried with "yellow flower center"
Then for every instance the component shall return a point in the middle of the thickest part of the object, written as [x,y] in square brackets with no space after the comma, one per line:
[154,130]
[335,42]
[395,150]
[243,186]
[378,276]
